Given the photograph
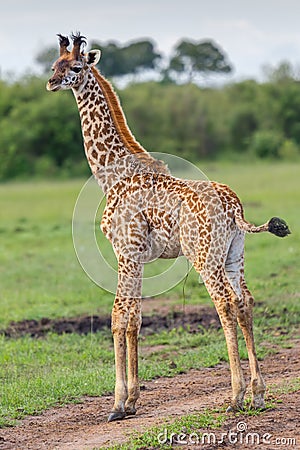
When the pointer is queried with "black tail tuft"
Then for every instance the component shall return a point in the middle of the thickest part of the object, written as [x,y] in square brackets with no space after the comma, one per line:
[278,227]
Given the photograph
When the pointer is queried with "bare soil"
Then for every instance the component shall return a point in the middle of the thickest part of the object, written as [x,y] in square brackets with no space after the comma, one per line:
[84,426]
[154,320]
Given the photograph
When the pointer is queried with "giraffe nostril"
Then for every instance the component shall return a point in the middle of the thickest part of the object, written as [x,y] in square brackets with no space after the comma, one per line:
[53,84]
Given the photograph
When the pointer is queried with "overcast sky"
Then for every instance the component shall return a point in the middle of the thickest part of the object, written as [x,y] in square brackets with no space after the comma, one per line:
[252,33]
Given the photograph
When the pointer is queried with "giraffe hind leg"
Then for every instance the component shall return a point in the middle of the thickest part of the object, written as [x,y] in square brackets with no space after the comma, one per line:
[234,268]
[245,321]
[225,302]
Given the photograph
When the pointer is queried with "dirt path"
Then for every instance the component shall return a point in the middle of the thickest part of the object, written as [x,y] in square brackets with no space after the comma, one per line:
[83,426]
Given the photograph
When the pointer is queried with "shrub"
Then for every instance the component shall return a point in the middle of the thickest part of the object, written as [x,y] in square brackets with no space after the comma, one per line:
[266,143]
[242,125]
[289,150]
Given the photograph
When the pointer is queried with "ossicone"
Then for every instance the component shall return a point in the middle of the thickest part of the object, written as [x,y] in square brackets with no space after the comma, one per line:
[78,41]
[63,44]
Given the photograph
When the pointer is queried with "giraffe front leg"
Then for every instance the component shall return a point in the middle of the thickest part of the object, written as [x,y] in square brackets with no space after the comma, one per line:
[126,322]
[132,332]
[119,320]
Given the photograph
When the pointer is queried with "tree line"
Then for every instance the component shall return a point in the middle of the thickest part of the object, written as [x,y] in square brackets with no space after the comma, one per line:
[40,132]
[187,61]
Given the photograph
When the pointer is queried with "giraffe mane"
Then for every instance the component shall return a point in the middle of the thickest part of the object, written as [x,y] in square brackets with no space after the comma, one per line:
[121,125]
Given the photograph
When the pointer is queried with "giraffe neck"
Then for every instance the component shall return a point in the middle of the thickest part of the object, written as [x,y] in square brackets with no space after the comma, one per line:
[111,150]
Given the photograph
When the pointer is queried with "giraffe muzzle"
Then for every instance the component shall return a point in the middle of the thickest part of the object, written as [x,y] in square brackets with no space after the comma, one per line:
[53,85]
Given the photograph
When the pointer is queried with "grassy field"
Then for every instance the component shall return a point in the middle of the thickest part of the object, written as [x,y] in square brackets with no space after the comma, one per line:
[41,277]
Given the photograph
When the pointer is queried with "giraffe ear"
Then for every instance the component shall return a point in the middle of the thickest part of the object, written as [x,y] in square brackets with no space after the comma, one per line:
[93,57]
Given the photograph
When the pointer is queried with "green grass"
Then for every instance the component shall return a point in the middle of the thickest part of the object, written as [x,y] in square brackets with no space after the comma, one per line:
[38,373]
[41,277]
[39,272]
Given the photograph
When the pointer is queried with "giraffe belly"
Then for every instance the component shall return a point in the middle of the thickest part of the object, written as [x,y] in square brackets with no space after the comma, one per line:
[172,250]
[167,245]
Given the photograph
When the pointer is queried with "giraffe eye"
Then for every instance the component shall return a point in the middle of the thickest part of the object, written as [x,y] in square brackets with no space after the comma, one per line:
[76,69]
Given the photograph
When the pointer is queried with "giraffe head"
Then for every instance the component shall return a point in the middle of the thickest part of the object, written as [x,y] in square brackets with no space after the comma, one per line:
[72,66]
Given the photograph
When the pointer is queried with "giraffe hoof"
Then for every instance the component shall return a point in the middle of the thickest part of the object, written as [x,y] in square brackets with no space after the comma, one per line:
[258,400]
[130,412]
[258,405]
[116,415]
[232,408]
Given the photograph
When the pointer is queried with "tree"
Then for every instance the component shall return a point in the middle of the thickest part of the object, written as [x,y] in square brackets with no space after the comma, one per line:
[132,58]
[46,57]
[31,131]
[110,63]
[193,58]
[283,72]
[140,56]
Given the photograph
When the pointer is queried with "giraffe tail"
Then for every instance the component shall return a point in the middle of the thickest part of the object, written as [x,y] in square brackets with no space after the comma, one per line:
[275,226]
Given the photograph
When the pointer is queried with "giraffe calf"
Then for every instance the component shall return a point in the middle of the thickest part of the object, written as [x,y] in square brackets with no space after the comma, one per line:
[150,214]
